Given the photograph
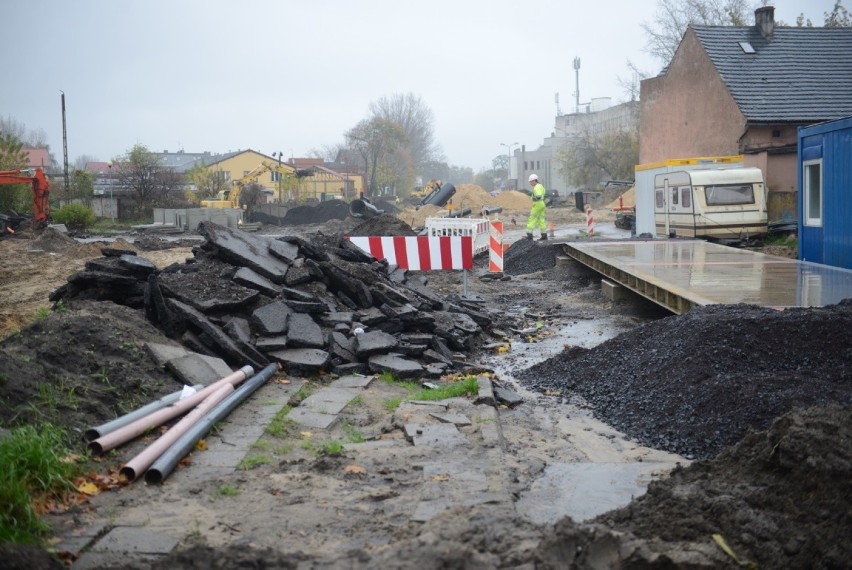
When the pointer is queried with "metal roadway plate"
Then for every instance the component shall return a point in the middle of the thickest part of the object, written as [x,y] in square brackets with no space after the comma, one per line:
[680,274]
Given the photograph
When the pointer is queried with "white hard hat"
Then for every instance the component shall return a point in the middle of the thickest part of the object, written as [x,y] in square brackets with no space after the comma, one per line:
[533,177]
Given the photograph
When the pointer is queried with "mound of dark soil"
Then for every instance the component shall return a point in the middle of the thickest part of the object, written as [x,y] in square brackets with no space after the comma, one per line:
[697,383]
[316,214]
[383,225]
[77,368]
[778,498]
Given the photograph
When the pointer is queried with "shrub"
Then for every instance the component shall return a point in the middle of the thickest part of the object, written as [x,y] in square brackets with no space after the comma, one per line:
[75,216]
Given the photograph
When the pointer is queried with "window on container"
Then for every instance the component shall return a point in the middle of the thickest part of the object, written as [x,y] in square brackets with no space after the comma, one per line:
[812,188]
[659,196]
[686,197]
[729,194]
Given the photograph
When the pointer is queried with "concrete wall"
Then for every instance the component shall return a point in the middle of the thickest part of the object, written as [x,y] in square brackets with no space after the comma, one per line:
[189,218]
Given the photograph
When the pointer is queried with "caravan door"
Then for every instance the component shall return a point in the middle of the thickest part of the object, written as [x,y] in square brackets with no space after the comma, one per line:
[674,213]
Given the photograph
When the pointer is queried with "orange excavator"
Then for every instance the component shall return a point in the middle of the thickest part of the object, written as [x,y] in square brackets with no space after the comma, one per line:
[41,190]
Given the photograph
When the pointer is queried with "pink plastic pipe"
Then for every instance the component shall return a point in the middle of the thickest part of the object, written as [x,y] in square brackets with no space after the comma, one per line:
[143,461]
[142,425]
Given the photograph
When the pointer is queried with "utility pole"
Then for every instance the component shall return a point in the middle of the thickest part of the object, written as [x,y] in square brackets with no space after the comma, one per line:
[577,79]
[65,144]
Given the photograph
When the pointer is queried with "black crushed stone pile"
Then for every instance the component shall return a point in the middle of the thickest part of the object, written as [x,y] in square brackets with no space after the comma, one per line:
[383,225]
[316,214]
[528,256]
[696,383]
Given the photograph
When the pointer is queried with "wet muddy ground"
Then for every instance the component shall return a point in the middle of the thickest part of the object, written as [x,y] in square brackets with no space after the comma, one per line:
[538,493]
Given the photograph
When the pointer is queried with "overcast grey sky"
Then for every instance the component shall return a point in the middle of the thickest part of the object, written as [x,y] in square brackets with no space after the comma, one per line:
[295,75]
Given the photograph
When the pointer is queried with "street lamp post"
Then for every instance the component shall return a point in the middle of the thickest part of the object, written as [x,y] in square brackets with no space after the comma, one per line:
[509,165]
[280,154]
[111,201]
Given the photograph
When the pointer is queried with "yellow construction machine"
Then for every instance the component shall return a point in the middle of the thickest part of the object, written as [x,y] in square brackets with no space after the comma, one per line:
[231,198]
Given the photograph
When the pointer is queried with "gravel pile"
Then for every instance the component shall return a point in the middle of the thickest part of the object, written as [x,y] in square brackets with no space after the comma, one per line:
[527,256]
[322,212]
[696,383]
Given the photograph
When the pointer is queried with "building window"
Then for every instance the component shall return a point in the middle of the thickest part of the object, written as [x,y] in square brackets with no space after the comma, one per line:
[525,165]
[812,188]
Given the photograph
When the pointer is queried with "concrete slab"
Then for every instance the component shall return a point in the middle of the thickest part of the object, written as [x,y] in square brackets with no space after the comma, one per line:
[135,540]
[353,381]
[162,353]
[455,419]
[194,368]
[434,435]
[311,419]
[99,560]
[329,400]
[586,489]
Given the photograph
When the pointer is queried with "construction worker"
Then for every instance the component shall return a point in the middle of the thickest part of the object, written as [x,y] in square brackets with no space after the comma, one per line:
[537,212]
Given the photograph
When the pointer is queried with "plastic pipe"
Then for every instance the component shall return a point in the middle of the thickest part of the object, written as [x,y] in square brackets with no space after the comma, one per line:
[140,426]
[363,209]
[460,213]
[167,461]
[103,429]
[144,459]
[495,210]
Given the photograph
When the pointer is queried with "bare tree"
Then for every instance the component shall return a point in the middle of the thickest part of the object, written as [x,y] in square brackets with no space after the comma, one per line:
[674,16]
[592,158]
[82,160]
[416,120]
[151,183]
[839,17]
[375,139]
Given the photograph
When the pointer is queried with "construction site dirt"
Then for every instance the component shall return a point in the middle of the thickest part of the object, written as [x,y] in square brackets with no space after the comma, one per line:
[736,420]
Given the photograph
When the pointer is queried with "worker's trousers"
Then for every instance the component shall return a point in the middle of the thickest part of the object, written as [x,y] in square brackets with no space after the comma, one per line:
[537,217]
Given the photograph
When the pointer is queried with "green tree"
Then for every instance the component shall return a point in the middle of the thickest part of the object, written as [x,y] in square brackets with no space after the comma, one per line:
[12,155]
[591,159]
[14,196]
[208,182]
[82,184]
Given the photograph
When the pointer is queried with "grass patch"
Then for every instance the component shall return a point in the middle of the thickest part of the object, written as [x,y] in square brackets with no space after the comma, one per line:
[226,490]
[330,447]
[392,404]
[464,387]
[279,425]
[252,461]
[353,434]
[33,472]
[356,401]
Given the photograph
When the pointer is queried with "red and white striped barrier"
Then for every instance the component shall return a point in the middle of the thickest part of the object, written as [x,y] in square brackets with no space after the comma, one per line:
[495,247]
[420,253]
[590,221]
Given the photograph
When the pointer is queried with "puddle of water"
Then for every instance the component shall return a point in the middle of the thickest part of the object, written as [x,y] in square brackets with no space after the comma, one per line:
[584,490]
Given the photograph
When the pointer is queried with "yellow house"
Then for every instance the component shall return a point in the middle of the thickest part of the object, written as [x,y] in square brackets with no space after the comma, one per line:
[313,183]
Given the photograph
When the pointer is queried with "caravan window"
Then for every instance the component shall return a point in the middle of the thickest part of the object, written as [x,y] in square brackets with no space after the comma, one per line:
[659,196]
[686,197]
[729,194]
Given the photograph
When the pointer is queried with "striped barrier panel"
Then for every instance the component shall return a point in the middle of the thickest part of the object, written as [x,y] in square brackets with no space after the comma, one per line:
[419,253]
[590,221]
[475,228]
[495,247]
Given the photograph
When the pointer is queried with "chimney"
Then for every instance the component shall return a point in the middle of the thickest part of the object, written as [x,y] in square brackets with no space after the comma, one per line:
[764,19]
